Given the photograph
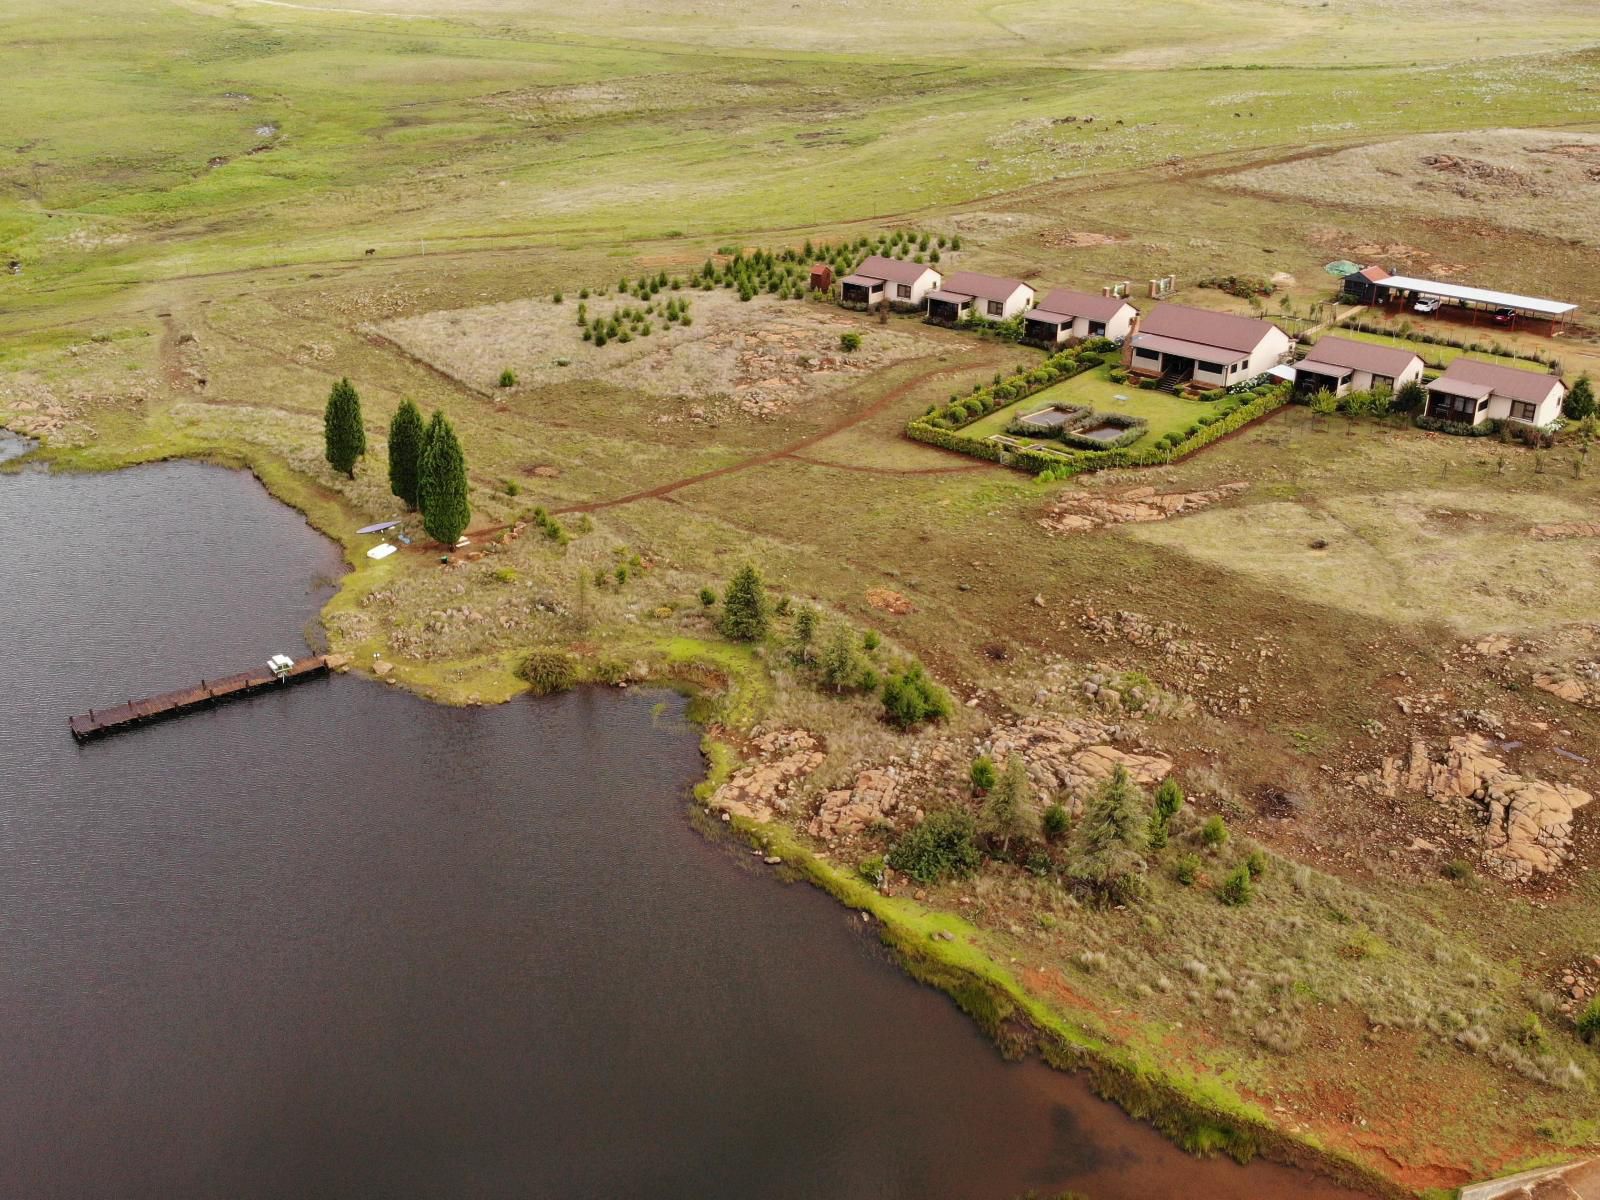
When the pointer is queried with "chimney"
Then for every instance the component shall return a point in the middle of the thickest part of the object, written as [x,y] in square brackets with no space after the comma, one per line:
[1127,342]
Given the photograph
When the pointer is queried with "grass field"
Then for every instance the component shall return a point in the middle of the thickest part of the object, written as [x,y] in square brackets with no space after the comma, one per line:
[1435,355]
[192,195]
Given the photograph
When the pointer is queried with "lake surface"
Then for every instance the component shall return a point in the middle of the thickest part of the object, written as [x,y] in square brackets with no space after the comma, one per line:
[338,942]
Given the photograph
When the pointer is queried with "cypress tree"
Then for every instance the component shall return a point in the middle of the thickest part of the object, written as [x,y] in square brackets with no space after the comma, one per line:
[744,607]
[344,439]
[405,452]
[443,484]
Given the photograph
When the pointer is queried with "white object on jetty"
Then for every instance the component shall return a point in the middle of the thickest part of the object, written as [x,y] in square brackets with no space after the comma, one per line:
[381,550]
[280,664]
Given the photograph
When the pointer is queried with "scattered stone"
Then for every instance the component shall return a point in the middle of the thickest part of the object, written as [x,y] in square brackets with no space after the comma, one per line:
[1078,512]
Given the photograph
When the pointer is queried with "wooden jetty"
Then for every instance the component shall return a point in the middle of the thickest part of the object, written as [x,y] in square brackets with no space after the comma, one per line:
[98,722]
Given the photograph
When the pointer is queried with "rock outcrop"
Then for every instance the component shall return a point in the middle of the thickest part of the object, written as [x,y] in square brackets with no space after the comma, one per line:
[1065,754]
[874,797]
[1527,822]
[759,791]
[1082,511]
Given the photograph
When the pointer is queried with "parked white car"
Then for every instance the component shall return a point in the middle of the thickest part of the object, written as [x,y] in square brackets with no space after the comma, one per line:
[1427,304]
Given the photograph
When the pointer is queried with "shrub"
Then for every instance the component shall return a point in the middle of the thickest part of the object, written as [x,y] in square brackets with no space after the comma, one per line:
[871,869]
[1169,798]
[983,773]
[505,575]
[1579,404]
[870,641]
[707,597]
[1589,1021]
[548,671]
[1237,888]
[1214,833]
[910,697]
[508,378]
[1457,869]
[1256,864]
[945,844]
[1056,821]
[1186,869]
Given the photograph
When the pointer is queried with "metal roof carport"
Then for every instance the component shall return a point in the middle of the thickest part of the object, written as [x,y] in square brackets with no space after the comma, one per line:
[1550,310]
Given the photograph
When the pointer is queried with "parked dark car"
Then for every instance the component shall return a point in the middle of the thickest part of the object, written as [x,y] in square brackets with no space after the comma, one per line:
[1504,316]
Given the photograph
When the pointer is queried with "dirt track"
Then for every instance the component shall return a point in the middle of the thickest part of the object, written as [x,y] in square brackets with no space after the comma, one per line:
[790,451]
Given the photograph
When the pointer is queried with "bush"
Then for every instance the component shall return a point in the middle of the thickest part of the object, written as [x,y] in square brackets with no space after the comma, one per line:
[1186,869]
[945,844]
[1237,888]
[850,342]
[1214,833]
[910,697]
[548,671]
[1589,1021]
[871,869]
[508,378]
[1256,864]
[1457,869]
[983,773]
[1056,821]
[707,597]
[1169,798]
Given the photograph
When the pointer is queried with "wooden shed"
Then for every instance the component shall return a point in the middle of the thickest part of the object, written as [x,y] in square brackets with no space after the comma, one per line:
[822,278]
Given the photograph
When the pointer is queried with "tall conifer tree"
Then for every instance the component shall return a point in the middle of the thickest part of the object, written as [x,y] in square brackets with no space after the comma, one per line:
[405,453]
[343,437]
[443,484]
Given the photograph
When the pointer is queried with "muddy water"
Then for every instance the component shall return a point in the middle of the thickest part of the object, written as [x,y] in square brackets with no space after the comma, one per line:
[341,943]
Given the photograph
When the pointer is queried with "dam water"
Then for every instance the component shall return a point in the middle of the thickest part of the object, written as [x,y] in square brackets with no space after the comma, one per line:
[340,942]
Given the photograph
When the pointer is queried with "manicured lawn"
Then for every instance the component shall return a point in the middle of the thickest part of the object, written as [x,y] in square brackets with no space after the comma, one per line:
[1434,356]
[1095,390]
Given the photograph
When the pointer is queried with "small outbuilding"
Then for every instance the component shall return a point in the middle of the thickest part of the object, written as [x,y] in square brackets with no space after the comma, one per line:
[967,293]
[822,278]
[1341,365]
[881,279]
[1360,284]
[1472,392]
[1067,316]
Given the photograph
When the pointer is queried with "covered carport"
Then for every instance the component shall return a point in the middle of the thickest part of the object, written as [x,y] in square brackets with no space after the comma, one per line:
[1478,304]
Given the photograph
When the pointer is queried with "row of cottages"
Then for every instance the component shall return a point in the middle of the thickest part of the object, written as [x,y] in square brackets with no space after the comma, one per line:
[908,285]
[1469,391]
[1068,316]
[1179,345]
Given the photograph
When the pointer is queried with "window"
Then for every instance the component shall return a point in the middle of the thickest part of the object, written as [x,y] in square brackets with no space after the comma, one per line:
[1147,355]
[1097,329]
[903,290]
[996,308]
[1523,411]
[1209,368]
